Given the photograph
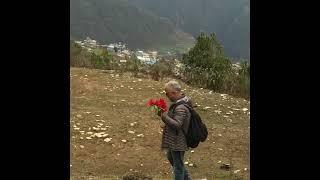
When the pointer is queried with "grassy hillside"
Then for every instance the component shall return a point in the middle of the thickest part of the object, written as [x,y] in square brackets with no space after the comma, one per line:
[101,99]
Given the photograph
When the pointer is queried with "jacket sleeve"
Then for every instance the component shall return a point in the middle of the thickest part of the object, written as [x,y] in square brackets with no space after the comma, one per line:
[179,116]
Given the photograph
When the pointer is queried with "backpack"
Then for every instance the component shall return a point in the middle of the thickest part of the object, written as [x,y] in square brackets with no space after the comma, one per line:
[197,130]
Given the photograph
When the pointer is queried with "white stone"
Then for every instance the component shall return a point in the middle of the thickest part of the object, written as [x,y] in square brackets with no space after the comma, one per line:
[140,135]
[103,129]
[123,100]
[245,109]
[76,128]
[220,135]
[190,164]
[186,162]
[118,154]
[88,112]
[79,116]
[219,162]
[96,129]
[207,107]
[245,169]
[81,146]
[81,137]
[236,171]
[141,165]
[131,132]
[192,151]
[89,133]
[78,124]
[220,149]
[88,138]
[108,140]
[131,124]
[123,140]
[98,115]
[100,124]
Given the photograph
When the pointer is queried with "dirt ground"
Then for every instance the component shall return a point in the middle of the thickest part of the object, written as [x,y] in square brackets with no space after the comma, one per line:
[115,104]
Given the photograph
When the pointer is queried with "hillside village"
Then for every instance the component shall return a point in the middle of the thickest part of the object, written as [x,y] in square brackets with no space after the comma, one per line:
[121,50]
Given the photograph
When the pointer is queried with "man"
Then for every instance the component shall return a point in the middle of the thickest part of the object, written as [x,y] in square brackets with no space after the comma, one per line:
[173,138]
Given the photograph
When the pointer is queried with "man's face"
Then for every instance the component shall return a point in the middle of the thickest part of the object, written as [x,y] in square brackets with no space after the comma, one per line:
[171,94]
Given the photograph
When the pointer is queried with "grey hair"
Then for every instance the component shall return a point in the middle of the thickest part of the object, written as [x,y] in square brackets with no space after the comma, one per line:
[173,85]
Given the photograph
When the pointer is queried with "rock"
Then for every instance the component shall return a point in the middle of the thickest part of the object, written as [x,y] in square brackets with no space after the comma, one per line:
[228,113]
[225,116]
[98,115]
[220,149]
[192,151]
[123,100]
[207,107]
[131,124]
[131,132]
[79,116]
[81,131]
[217,111]
[131,88]
[220,135]
[213,142]
[186,163]
[139,79]
[245,169]
[89,133]
[105,135]
[225,167]
[123,140]
[97,135]
[122,86]
[140,135]
[88,138]
[78,124]
[219,162]
[113,105]
[108,140]
[236,171]
[88,112]
[190,164]
[245,109]
[100,124]
[103,129]
[95,128]
[73,137]
[139,88]
[81,146]
[81,137]
[76,128]
[118,154]
[141,165]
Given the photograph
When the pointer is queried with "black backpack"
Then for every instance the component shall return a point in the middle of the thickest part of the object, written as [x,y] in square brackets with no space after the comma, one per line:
[197,130]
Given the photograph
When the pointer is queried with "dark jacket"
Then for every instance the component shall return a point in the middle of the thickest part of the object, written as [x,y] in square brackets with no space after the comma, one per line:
[173,138]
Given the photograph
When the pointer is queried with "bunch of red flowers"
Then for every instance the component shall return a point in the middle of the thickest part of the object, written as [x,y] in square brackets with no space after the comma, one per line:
[158,105]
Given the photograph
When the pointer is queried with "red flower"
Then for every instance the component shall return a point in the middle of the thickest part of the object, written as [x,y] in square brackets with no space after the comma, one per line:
[158,104]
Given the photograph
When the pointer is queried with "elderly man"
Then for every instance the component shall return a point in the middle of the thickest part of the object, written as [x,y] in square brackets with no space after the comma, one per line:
[176,120]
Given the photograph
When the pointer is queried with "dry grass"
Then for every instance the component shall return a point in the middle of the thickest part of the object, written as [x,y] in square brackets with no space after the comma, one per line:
[100,93]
